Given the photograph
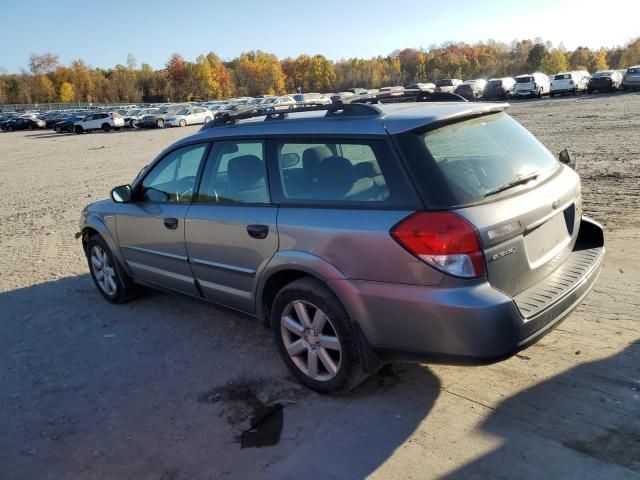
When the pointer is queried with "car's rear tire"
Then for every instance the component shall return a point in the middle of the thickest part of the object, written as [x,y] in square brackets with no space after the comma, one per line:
[207,120]
[57,129]
[106,128]
[78,129]
[316,338]
[105,272]
[182,123]
[160,123]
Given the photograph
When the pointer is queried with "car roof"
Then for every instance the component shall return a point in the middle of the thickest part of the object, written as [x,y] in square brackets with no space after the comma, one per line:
[392,118]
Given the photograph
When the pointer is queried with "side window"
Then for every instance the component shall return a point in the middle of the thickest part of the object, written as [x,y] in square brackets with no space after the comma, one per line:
[333,172]
[173,179]
[235,174]
[88,117]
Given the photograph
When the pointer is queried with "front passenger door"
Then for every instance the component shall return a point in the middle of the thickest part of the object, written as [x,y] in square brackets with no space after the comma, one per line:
[151,228]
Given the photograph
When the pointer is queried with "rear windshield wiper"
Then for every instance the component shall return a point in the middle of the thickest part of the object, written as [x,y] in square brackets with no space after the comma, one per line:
[519,180]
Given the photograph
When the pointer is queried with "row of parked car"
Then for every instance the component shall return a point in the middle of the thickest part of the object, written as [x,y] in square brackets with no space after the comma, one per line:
[182,114]
[538,84]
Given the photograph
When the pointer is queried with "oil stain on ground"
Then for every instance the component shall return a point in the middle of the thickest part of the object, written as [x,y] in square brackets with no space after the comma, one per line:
[260,422]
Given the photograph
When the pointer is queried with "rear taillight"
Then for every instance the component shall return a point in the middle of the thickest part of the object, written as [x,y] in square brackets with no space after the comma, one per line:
[443,240]
[570,82]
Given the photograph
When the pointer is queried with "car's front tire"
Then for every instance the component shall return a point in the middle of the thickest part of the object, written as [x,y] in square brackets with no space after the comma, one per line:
[105,272]
[160,123]
[316,338]
[183,123]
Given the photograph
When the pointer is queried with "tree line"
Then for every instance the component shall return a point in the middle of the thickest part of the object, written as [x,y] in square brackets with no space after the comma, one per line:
[257,72]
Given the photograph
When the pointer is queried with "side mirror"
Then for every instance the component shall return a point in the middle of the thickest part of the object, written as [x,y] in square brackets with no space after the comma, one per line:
[288,160]
[121,194]
[564,157]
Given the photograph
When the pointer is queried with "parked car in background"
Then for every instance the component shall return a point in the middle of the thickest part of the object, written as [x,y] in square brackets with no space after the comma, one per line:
[392,89]
[569,83]
[631,78]
[25,123]
[99,121]
[276,102]
[499,88]
[189,116]
[447,84]
[604,81]
[475,242]
[311,97]
[423,86]
[67,124]
[471,89]
[532,85]
[157,118]
[134,116]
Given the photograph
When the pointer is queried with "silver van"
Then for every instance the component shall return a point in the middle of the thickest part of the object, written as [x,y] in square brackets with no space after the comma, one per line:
[361,233]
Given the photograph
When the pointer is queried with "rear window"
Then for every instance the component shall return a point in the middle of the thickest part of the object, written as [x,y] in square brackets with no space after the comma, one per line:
[633,70]
[444,83]
[494,83]
[564,76]
[471,158]
[524,79]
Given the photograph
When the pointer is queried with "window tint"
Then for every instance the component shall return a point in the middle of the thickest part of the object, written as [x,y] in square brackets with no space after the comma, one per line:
[173,178]
[336,173]
[476,156]
[235,173]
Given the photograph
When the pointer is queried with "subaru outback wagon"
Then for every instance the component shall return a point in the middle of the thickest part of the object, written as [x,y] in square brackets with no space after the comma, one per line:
[360,234]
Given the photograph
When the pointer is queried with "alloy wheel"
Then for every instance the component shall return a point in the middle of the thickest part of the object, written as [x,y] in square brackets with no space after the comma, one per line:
[103,270]
[311,340]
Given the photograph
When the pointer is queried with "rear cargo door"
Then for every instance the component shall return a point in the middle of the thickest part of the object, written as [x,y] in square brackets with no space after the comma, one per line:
[527,236]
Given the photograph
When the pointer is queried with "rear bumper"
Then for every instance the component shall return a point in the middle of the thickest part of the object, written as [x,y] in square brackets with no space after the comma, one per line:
[560,91]
[476,323]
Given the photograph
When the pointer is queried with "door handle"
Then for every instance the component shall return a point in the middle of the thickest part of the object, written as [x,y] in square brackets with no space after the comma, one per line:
[258,231]
[171,223]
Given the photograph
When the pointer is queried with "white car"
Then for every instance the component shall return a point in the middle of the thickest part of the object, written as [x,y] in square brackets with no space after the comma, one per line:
[532,85]
[447,84]
[99,121]
[189,116]
[569,83]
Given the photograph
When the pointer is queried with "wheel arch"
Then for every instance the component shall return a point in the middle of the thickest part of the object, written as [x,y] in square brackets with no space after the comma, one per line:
[94,225]
[286,267]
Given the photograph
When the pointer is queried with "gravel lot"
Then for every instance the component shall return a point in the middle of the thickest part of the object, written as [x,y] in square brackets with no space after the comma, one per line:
[163,388]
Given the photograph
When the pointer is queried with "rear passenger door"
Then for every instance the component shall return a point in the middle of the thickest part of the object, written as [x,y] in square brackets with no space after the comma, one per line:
[230,229]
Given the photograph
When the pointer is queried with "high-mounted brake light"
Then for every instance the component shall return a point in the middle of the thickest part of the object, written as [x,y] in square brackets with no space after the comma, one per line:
[443,240]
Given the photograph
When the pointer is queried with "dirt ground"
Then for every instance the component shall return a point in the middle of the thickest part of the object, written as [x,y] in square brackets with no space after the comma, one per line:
[164,387]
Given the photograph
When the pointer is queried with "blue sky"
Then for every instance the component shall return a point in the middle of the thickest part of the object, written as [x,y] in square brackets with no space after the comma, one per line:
[103,33]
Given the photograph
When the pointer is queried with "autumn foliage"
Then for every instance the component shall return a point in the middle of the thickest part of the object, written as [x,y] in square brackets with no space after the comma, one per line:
[257,72]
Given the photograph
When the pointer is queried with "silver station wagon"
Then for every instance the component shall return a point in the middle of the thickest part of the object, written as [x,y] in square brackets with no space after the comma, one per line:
[361,233]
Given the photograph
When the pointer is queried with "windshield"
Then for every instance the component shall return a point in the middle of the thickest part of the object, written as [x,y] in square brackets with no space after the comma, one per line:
[494,83]
[564,76]
[524,79]
[184,111]
[444,83]
[163,110]
[603,74]
[473,157]
[133,112]
[633,70]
